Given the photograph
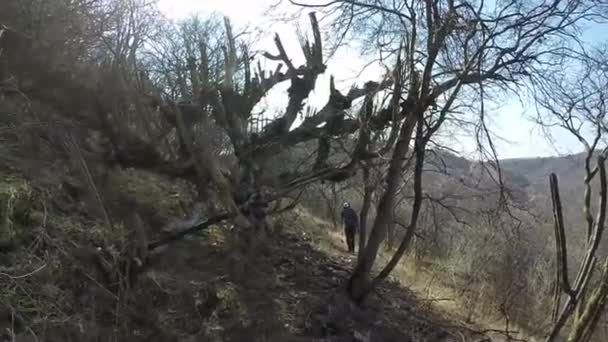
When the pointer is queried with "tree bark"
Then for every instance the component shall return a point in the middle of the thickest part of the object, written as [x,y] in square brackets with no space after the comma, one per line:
[584,325]
[358,284]
[419,147]
[367,201]
[585,272]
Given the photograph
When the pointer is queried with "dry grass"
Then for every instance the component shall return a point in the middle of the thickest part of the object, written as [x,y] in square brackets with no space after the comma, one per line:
[450,301]
[433,288]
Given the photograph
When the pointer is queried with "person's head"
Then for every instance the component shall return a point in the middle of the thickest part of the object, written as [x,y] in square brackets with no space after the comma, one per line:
[346,205]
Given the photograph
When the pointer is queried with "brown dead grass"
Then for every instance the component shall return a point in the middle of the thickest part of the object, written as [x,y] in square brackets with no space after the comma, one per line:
[432,292]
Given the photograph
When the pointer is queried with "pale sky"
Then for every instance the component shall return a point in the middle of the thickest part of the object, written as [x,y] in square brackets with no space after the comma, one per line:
[509,120]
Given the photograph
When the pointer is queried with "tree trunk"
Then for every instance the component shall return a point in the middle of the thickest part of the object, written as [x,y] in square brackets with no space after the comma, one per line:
[411,229]
[584,324]
[358,285]
[367,201]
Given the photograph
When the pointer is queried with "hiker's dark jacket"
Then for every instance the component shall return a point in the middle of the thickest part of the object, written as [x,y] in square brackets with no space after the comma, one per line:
[350,218]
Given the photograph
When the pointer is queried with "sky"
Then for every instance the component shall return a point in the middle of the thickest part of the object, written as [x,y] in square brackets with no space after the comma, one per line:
[519,136]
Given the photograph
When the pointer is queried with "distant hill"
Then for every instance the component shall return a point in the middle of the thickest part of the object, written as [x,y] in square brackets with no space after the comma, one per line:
[569,169]
[475,184]
[528,174]
[526,178]
[571,174]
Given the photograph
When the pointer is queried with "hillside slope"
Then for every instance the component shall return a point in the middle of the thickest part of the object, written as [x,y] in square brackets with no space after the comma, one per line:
[209,287]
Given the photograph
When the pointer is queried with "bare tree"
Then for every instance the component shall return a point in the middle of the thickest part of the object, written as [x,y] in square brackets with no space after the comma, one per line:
[449,48]
[576,102]
[154,90]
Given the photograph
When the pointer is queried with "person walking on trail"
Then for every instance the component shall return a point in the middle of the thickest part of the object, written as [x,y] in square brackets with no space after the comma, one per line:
[350,220]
